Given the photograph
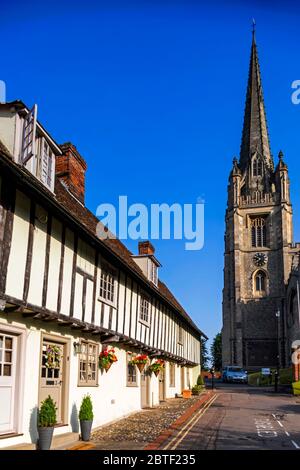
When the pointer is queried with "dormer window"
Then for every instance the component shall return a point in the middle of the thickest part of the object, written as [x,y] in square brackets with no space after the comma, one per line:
[27,140]
[153,273]
[147,261]
[46,162]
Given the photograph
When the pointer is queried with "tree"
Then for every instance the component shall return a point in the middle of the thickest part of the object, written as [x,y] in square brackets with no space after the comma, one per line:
[204,357]
[216,352]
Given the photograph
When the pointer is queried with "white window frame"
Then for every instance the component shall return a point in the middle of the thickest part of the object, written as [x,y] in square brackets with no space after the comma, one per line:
[87,382]
[28,148]
[108,271]
[46,179]
[144,310]
[180,334]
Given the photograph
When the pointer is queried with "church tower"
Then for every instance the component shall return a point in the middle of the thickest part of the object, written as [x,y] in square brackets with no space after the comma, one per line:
[258,242]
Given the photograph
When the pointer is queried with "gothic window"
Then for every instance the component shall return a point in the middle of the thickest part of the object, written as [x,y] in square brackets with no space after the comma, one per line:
[293,307]
[258,232]
[257,167]
[260,282]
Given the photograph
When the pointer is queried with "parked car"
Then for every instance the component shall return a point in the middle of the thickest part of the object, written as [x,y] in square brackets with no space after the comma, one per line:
[234,374]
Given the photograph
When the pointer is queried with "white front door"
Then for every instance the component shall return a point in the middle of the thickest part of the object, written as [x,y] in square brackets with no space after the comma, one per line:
[8,355]
[52,375]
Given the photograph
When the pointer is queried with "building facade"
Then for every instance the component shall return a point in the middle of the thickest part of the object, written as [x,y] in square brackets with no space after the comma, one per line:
[66,295]
[259,248]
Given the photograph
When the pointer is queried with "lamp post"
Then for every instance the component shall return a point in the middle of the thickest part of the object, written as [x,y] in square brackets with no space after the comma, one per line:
[212,371]
[277,314]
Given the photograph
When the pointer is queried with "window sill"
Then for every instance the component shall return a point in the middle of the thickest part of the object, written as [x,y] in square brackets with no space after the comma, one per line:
[132,385]
[143,322]
[87,385]
[107,302]
[10,434]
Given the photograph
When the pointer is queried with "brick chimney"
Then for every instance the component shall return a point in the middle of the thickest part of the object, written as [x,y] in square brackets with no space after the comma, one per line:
[146,248]
[70,168]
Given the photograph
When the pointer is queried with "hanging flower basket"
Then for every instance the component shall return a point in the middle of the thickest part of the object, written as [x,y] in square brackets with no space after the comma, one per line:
[141,366]
[157,366]
[107,366]
[106,358]
[140,361]
[53,356]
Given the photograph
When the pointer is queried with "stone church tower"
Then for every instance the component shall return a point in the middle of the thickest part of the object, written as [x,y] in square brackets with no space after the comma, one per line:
[258,242]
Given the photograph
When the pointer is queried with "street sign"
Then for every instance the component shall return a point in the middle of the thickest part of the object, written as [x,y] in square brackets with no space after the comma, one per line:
[266,371]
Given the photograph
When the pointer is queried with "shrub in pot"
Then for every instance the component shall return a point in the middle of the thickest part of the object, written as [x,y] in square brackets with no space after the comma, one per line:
[197,389]
[46,423]
[86,416]
[200,381]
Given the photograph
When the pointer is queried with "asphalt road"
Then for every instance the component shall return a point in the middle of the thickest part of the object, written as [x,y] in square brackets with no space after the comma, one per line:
[240,417]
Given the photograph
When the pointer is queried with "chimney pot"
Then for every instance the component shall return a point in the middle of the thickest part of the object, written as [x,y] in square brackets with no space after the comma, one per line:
[146,248]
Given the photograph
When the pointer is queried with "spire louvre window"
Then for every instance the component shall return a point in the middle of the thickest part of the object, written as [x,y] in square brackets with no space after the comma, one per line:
[258,232]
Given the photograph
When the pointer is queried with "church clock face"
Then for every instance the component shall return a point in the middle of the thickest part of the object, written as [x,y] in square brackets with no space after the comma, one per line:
[259,259]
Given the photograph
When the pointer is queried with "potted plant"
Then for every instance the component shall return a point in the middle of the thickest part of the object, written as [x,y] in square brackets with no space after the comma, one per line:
[197,389]
[46,423]
[86,416]
[187,393]
[140,361]
[106,358]
[200,381]
[157,366]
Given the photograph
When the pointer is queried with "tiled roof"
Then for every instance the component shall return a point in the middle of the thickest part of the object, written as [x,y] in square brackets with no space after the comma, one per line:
[84,217]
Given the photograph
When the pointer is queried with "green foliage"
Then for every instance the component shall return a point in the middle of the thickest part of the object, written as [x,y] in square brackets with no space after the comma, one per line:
[200,380]
[296,388]
[257,379]
[216,352]
[86,409]
[286,376]
[47,413]
[197,389]
[204,356]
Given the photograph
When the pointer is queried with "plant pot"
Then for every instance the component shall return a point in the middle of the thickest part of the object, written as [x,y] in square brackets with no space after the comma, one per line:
[186,393]
[85,429]
[141,366]
[45,437]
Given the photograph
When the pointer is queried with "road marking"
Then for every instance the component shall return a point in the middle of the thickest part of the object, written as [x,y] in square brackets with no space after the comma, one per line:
[287,433]
[189,425]
[295,444]
[264,427]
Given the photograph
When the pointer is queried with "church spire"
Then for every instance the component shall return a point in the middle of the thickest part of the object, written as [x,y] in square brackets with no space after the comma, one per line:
[255,137]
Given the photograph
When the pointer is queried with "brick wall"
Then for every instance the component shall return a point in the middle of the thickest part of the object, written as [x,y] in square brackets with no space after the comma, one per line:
[70,168]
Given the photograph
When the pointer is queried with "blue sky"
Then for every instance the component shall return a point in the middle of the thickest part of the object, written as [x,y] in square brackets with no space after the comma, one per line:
[152,94]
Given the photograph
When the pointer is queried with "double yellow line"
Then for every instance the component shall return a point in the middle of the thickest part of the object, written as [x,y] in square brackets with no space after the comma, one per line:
[174,443]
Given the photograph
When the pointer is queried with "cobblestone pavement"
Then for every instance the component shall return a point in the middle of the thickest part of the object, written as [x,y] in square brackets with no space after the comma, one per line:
[137,430]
